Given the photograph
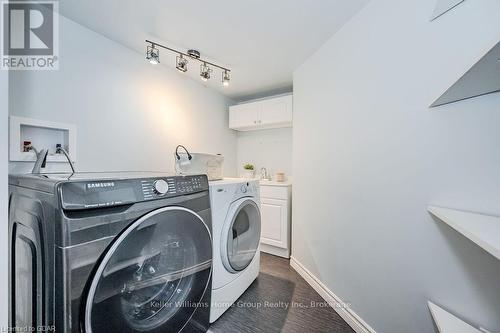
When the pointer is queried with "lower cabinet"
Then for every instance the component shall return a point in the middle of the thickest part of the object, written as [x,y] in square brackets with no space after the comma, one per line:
[276,211]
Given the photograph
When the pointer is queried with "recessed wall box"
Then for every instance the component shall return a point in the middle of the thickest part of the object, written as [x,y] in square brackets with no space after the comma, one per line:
[42,134]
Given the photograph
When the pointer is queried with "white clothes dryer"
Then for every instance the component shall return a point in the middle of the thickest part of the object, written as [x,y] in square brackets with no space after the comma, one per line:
[236,224]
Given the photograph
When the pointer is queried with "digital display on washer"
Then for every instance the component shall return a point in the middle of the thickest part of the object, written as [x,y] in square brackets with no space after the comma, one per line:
[99,194]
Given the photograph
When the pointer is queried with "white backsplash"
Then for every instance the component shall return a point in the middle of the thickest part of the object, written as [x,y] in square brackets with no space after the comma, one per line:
[271,149]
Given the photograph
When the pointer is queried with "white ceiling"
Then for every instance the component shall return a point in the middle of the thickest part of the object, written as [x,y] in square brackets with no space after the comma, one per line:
[261,41]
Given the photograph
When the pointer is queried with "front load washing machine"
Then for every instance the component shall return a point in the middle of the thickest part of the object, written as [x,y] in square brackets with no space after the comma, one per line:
[236,237]
[99,253]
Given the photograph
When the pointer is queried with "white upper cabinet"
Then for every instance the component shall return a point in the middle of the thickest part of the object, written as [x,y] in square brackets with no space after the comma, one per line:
[244,115]
[277,111]
[269,113]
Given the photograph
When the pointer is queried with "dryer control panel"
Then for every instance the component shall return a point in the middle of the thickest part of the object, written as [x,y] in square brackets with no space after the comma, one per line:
[107,193]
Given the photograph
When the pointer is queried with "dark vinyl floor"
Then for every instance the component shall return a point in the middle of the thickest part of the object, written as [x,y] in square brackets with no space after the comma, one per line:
[263,307]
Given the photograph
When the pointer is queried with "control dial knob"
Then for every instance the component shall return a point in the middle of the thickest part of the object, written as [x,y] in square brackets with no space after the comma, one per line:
[160,187]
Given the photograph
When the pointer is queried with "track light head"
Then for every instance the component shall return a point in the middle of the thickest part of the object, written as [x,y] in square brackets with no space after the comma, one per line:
[205,72]
[154,61]
[181,64]
[153,54]
[194,54]
[225,78]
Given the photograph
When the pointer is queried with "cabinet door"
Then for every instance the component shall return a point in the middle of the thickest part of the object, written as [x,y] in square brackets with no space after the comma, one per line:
[244,115]
[276,111]
[274,227]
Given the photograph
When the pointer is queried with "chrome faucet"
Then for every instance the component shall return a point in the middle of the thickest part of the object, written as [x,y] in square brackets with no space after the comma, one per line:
[263,173]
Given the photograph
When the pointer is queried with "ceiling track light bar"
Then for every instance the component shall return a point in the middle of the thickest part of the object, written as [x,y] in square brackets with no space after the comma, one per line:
[153,44]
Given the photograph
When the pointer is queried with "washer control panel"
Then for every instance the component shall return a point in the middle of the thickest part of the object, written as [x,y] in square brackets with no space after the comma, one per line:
[191,184]
[113,192]
[160,187]
[171,186]
[154,188]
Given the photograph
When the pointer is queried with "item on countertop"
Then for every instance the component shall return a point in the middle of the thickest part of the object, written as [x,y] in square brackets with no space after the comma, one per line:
[279,177]
[264,175]
[248,171]
[198,163]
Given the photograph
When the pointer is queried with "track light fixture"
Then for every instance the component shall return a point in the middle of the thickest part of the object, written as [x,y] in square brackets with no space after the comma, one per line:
[181,63]
[205,72]
[225,78]
[153,54]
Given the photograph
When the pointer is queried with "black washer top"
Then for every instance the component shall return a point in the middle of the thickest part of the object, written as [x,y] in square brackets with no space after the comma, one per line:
[99,190]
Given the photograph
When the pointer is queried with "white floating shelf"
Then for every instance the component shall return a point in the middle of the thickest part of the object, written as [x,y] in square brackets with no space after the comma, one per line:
[448,323]
[444,6]
[484,230]
[483,78]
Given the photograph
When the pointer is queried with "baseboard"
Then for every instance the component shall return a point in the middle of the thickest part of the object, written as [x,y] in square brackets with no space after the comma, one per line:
[355,321]
[275,251]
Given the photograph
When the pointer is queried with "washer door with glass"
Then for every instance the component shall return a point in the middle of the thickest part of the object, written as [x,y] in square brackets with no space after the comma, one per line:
[240,235]
[153,276]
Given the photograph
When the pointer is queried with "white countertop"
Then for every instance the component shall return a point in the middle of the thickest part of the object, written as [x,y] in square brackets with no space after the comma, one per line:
[286,183]
[225,181]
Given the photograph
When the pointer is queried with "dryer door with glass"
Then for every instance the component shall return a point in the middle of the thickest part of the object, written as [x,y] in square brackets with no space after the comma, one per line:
[153,276]
[240,235]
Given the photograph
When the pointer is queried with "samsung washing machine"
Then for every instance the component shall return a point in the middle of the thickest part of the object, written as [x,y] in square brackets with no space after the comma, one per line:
[99,253]
[236,227]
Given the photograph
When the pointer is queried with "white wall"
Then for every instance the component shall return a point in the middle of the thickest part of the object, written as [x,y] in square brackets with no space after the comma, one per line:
[130,115]
[369,156]
[4,239]
[271,149]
